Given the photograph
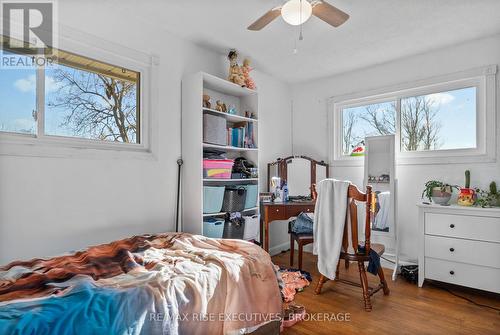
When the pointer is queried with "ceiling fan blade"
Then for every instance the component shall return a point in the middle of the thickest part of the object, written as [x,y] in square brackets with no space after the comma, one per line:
[329,13]
[265,19]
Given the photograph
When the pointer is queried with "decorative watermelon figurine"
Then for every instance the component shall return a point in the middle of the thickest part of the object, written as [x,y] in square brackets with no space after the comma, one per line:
[359,150]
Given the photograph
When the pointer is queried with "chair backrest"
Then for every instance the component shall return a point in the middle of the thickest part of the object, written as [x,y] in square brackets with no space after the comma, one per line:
[354,197]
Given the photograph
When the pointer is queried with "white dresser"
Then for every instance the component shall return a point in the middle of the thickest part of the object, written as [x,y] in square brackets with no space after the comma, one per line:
[460,245]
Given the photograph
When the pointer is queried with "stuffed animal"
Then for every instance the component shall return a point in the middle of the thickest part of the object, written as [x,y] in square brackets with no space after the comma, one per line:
[221,106]
[249,83]
[235,71]
[206,101]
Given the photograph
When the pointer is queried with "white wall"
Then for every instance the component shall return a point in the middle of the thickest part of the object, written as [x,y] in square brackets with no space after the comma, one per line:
[53,205]
[310,135]
[275,138]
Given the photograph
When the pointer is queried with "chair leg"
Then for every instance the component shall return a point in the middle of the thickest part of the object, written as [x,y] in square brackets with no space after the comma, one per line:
[346,264]
[364,285]
[321,281]
[337,270]
[301,248]
[383,281]
[292,249]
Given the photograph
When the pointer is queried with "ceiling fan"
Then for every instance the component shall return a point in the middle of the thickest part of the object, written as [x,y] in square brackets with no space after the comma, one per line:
[296,12]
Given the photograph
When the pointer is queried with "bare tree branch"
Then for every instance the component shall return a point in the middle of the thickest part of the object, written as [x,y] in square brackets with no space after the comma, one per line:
[96,106]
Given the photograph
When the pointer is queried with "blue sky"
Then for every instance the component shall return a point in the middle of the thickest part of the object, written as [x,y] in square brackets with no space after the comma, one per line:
[17,100]
[456,115]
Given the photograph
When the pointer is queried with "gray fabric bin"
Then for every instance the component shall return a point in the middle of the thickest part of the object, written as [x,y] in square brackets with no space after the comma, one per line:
[214,129]
[234,199]
[234,230]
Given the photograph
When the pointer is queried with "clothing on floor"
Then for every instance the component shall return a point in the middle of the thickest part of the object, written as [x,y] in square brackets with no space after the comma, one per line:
[329,220]
[293,281]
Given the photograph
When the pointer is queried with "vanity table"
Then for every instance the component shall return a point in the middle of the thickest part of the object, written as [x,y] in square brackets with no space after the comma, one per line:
[271,211]
[300,173]
[460,245]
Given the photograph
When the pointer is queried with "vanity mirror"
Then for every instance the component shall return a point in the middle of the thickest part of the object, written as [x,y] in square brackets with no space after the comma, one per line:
[299,172]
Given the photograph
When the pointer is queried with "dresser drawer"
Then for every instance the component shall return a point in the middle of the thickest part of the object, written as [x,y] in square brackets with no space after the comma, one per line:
[464,251]
[295,210]
[277,212]
[463,226]
[481,277]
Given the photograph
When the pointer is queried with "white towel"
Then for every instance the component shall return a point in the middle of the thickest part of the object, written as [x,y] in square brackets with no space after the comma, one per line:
[329,220]
[382,217]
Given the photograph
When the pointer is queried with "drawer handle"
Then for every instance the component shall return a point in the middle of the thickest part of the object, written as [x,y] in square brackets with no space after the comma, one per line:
[277,210]
[452,226]
[452,249]
[452,272]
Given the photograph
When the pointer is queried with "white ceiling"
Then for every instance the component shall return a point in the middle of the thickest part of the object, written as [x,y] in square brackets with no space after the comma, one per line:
[378,30]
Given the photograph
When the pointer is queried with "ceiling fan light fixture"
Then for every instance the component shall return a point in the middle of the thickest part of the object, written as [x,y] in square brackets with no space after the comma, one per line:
[296,12]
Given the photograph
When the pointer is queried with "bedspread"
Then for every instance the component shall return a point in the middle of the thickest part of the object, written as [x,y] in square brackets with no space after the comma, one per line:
[149,284]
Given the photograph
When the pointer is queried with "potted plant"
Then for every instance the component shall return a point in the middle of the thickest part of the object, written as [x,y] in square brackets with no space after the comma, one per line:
[467,195]
[495,195]
[438,192]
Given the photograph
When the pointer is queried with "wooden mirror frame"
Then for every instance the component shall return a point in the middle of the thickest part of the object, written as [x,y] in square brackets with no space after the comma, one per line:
[282,164]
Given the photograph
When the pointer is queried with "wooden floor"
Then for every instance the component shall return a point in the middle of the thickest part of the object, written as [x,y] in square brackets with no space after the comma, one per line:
[407,310]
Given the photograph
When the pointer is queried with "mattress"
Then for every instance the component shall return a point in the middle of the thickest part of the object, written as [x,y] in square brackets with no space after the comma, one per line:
[149,284]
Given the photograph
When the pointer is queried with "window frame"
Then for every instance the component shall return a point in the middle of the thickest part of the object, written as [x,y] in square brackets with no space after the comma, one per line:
[483,79]
[44,145]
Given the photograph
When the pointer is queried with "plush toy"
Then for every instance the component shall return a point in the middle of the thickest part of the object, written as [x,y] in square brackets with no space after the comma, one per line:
[235,71]
[206,101]
[246,74]
[221,106]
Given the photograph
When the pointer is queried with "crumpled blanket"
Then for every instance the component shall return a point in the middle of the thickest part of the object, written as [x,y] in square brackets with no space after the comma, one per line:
[150,284]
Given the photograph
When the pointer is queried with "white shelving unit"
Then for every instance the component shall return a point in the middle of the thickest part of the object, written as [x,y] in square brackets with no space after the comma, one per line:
[253,209]
[229,117]
[380,160]
[243,99]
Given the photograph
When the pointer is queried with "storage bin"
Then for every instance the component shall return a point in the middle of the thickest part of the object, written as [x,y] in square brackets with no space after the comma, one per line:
[213,197]
[213,227]
[214,129]
[251,231]
[234,230]
[252,194]
[217,168]
[234,199]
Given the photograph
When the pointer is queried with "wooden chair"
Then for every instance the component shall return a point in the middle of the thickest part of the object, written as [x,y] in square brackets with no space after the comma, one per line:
[360,256]
[302,240]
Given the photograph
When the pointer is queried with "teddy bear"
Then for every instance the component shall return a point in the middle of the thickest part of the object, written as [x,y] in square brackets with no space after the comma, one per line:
[206,101]
[249,83]
[221,106]
[235,71]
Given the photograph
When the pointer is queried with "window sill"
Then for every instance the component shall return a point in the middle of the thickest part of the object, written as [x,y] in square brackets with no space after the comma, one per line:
[30,146]
[436,158]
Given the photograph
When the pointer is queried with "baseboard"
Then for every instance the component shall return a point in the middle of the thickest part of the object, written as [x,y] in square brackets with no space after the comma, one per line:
[279,248]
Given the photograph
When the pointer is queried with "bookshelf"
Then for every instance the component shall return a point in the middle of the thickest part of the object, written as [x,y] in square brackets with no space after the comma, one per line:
[243,99]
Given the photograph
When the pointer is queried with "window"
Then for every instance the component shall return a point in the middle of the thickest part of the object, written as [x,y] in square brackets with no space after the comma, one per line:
[18,101]
[81,98]
[432,120]
[439,121]
[369,120]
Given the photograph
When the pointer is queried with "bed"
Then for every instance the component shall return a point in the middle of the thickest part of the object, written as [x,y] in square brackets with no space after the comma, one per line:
[173,283]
